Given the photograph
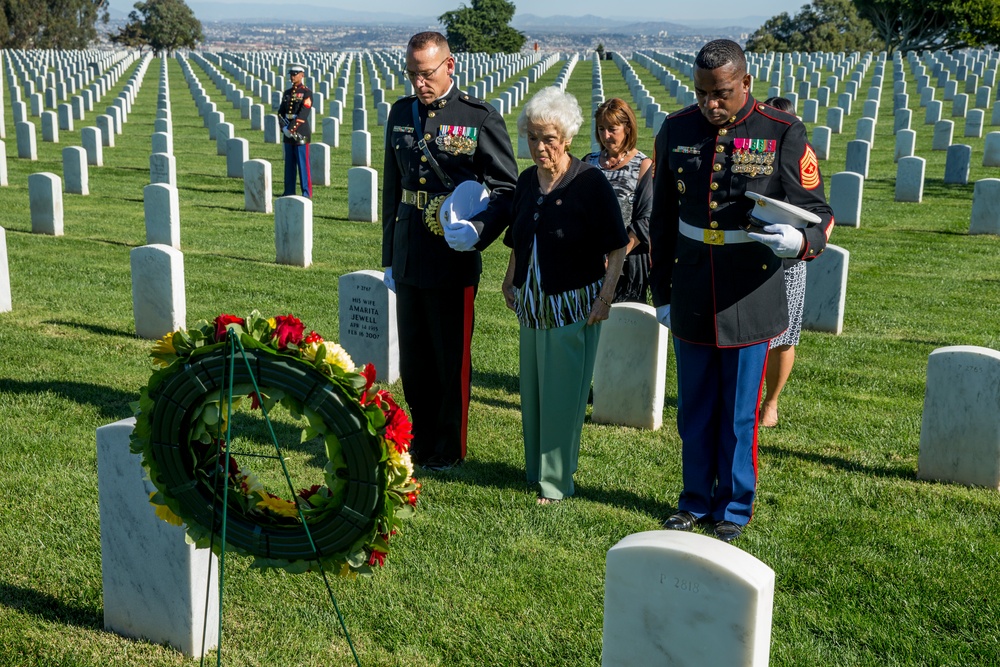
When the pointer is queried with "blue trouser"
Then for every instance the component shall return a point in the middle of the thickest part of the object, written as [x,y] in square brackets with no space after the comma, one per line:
[297,158]
[718,399]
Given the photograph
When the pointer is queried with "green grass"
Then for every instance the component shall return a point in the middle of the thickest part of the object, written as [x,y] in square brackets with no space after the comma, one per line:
[873,567]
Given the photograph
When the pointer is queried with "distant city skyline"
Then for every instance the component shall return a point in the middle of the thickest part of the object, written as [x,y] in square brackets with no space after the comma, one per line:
[726,12]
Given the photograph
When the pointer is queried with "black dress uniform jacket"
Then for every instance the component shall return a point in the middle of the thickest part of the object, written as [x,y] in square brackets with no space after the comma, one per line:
[728,295]
[417,256]
[296,104]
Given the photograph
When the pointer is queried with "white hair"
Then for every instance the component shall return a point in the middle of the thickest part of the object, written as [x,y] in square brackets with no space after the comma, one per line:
[552,106]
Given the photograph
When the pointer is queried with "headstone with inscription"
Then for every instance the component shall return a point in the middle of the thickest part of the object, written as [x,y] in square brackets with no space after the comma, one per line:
[368,322]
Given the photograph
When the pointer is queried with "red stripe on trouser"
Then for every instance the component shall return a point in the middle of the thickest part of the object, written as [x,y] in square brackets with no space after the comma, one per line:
[469,301]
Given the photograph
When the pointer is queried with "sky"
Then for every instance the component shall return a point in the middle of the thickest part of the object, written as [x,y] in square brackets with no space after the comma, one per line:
[663,10]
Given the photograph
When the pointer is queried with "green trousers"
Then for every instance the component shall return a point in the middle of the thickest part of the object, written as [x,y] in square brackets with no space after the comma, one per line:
[557,366]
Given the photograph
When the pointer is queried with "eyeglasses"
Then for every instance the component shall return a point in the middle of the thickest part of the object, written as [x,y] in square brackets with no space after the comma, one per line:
[426,74]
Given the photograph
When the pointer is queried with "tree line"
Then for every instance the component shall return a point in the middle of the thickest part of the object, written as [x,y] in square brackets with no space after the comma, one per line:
[484,26]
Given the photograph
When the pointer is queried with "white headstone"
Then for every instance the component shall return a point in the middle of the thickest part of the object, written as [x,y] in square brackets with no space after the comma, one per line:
[906,140]
[826,291]
[155,584]
[858,155]
[331,132]
[46,204]
[361,148]
[821,142]
[257,186]
[6,305]
[3,164]
[163,168]
[319,164]
[237,152]
[107,127]
[163,218]
[162,142]
[27,146]
[75,170]
[223,133]
[910,179]
[50,126]
[293,230]
[986,207]
[90,137]
[664,590]
[846,193]
[158,300]
[630,368]
[835,119]
[901,120]
[362,194]
[956,166]
[943,133]
[960,429]
[974,123]
[368,322]
[991,150]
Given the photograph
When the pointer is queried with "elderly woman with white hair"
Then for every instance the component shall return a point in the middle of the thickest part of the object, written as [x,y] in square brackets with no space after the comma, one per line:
[564,227]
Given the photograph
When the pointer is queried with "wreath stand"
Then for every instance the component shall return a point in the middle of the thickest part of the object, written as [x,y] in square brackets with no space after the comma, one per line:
[181,393]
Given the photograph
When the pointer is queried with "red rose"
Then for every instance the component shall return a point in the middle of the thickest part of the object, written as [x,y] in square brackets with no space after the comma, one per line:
[288,330]
[220,325]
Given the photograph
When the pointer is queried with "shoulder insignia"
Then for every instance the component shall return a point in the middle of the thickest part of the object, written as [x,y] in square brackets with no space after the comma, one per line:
[809,169]
[307,102]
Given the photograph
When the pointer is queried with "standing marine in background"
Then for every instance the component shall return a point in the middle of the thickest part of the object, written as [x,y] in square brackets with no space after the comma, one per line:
[718,287]
[435,140]
[293,115]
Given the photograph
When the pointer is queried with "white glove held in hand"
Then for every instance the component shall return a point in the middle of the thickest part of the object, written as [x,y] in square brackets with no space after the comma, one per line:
[784,240]
[461,235]
[387,279]
[285,131]
[663,315]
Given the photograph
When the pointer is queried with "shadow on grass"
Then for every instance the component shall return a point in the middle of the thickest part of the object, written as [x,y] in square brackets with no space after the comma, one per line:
[900,472]
[93,328]
[50,608]
[123,244]
[497,475]
[112,403]
[223,208]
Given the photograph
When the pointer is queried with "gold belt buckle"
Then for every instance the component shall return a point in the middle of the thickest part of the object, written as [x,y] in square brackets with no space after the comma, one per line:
[715,236]
[421,199]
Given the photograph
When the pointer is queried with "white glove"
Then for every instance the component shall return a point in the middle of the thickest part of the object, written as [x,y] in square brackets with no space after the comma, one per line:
[460,234]
[663,315]
[285,131]
[387,279]
[783,240]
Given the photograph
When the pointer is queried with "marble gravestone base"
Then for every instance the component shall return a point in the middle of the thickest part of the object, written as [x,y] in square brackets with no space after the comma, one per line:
[631,367]
[985,207]
[257,186]
[685,600]
[960,428]
[368,322]
[158,299]
[293,230]
[826,291]
[155,584]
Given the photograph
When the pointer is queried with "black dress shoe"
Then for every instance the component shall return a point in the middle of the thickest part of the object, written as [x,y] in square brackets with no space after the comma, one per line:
[682,520]
[439,465]
[727,531]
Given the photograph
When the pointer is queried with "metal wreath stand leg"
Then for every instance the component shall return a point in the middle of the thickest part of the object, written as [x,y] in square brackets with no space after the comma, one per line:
[232,345]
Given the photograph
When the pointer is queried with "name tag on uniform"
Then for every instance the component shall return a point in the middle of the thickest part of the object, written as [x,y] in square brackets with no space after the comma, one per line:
[403,128]
[457,139]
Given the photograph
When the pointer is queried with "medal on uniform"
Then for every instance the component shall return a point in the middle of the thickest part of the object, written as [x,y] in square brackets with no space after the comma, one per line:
[754,156]
[457,139]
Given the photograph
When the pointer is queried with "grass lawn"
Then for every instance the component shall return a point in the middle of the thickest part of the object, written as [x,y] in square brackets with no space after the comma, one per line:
[873,566]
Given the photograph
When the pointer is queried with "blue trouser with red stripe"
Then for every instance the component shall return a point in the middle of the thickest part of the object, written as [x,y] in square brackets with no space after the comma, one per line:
[718,399]
[297,159]
[435,364]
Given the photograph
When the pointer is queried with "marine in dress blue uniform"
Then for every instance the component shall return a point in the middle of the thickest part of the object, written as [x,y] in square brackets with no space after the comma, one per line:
[435,286]
[722,290]
[293,114]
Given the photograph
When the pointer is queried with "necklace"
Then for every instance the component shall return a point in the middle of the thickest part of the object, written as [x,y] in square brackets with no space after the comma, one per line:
[612,162]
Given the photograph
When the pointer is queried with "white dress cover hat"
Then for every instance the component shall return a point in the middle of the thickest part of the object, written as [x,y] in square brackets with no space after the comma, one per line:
[468,199]
[768,211]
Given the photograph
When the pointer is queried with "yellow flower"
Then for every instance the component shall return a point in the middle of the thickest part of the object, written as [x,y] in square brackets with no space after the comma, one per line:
[398,460]
[337,356]
[309,350]
[279,506]
[247,483]
[163,352]
[165,513]
[271,322]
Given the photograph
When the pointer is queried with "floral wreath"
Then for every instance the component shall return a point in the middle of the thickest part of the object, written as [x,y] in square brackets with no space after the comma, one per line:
[181,426]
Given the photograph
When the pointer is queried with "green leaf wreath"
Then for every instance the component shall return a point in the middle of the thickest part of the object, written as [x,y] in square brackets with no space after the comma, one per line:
[181,427]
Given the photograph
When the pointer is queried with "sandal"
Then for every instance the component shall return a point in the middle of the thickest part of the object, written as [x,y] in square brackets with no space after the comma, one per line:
[548,501]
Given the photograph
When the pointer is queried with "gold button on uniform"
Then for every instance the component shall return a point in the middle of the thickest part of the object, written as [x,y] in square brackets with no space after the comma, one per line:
[423,158]
[424,180]
[713,224]
[680,170]
[714,186]
[722,132]
[431,114]
[764,266]
[716,167]
[713,205]
[427,137]
[719,148]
